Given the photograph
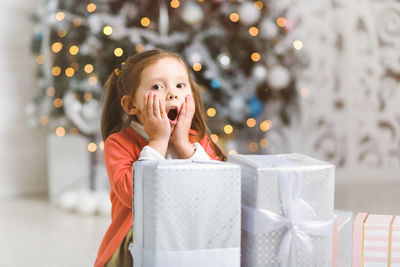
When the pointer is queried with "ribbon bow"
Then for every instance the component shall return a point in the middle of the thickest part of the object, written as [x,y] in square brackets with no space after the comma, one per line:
[299,217]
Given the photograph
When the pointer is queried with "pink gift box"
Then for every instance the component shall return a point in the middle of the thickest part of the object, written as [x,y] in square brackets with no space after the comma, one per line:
[376,240]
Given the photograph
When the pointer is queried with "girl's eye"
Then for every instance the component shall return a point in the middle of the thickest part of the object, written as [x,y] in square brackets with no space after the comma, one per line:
[180,85]
[156,87]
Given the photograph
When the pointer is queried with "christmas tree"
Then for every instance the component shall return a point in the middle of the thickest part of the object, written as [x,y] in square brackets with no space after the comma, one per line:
[234,48]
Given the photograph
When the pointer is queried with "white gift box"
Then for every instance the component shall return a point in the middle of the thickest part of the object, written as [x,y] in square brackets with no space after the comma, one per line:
[186,213]
[287,210]
[68,165]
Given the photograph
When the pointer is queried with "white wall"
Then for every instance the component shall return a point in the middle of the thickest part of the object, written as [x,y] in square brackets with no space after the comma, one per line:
[22,150]
[352,114]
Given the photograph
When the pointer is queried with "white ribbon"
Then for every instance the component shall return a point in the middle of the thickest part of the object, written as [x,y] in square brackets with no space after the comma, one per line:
[222,257]
[299,217]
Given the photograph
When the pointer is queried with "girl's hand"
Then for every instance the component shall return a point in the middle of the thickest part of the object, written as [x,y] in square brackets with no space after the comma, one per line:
[180,135]
[155,122]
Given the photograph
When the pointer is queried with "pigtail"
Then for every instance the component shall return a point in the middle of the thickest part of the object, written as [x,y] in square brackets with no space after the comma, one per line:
[112,115]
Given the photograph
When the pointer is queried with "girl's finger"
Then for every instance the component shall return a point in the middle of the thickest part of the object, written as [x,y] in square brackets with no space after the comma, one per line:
[150,105]
[143,117]
[146,100]
[184,109]
[162,109]
[156,106]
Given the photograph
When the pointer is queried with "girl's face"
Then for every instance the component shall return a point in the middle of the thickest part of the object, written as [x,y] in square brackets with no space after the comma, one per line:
[169,79]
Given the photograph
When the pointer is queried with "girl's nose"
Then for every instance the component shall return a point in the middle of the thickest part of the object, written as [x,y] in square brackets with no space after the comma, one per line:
[171,96]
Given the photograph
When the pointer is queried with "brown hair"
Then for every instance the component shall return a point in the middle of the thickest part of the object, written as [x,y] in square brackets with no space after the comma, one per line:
[125,82]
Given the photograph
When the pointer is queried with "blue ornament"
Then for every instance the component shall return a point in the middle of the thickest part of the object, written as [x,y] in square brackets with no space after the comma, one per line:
[215,84]
[256,106]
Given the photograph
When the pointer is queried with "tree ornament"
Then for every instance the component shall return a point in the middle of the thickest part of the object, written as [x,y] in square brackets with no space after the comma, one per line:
[269,29]
[259,73]
[278,77]
[256,107]
[248,13]
[191,13]
[224,60]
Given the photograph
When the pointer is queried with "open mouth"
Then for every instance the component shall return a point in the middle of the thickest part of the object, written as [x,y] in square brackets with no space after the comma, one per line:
[172,113]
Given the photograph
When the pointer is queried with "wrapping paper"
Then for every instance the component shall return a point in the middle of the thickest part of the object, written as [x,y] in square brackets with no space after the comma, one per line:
[376,240]
[261,190]
[186,213]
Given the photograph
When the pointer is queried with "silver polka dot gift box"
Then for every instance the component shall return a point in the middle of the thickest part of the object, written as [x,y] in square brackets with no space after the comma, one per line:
[287,210]
[186,213]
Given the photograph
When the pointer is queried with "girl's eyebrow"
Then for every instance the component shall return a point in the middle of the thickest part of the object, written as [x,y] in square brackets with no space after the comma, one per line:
[163,80]
[156,79]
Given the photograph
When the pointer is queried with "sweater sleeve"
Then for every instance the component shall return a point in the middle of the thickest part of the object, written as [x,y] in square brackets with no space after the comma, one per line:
[118,161]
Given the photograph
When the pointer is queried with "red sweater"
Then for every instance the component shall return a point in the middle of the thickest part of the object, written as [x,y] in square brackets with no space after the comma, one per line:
[121,150]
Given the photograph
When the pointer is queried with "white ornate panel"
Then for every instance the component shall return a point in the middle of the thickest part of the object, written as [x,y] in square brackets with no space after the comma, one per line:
[352,113]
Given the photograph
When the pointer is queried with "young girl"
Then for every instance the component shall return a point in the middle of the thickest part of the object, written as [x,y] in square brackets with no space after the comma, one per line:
[153,110]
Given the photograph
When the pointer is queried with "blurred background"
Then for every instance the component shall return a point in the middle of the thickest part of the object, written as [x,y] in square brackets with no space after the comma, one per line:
[315,77]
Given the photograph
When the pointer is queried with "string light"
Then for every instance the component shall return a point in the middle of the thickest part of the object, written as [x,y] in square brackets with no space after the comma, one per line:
[281,22]
[253,146]
[60,131]
[61,33]
[214,138]
[258,4]
[56,70]
[93,80]
[40,59]
[69,72]
[101,145]
[251,122]
[197,66]
[145,21]
[91,7]
[88,68]
[255,57]
[253,31]
[118,52]
[298,44]
[43,120]
[73,50]
[228,129]
[234,17]
[211,112]
[51,91]
[107,30]
[92,147]
[265,125]
[77,22]
[56,47]
[58,102]
[304,92]
[87,97]
[264,142]
[60,16]
[175,3]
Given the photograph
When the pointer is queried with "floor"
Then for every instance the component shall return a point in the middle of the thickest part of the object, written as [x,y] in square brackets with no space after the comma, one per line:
[34,233]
